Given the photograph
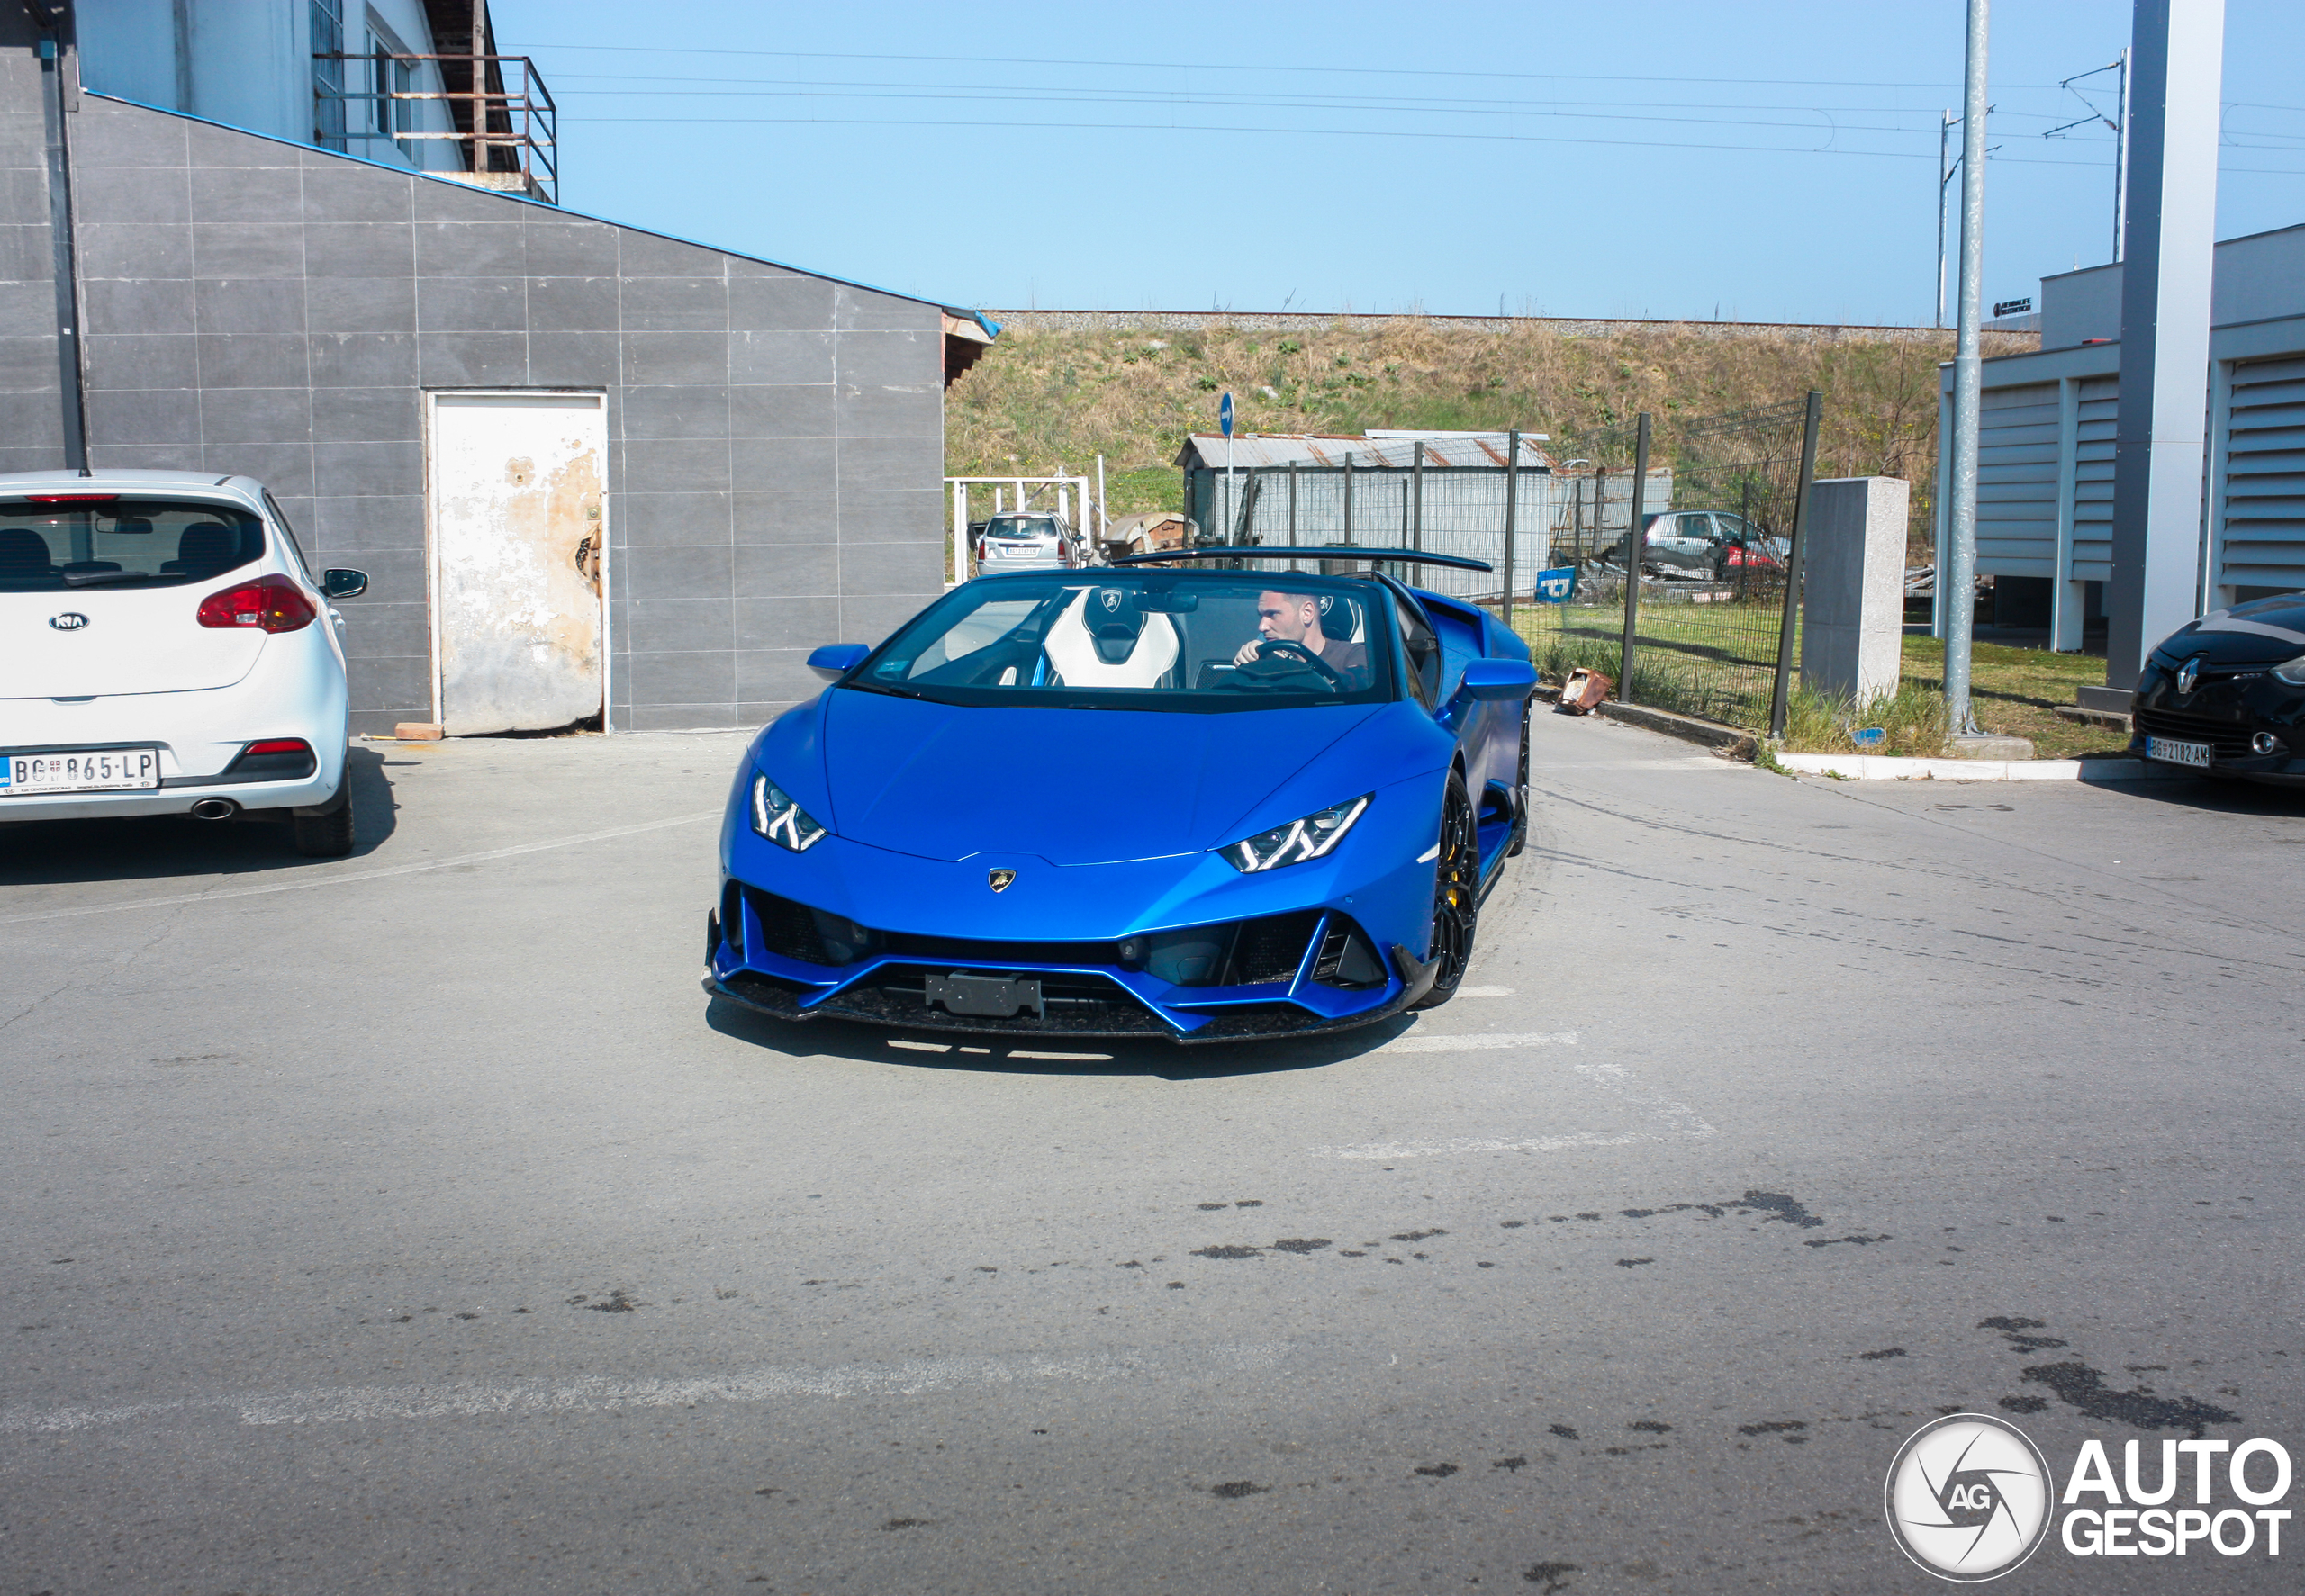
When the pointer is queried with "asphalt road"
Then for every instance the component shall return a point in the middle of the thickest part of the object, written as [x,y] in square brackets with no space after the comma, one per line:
[409,1222]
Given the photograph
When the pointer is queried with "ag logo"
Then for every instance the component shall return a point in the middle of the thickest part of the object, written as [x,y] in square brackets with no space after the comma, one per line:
[71,620]
[2188,673]
[1969,1497]
[998,880]
[1110,599]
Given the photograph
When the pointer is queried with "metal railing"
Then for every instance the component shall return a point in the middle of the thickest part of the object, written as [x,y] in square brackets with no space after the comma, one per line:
[509,137]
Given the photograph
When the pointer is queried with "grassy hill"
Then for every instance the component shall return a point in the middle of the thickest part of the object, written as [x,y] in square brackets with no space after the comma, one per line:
[1044,397]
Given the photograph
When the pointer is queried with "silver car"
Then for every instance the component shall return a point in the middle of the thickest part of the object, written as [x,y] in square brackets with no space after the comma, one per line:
[1702,544]
[1025,540]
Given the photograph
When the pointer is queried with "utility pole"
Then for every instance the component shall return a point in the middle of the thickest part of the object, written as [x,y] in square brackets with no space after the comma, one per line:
[1944,133]
[2120,159]
[2119,125]
[1956,583]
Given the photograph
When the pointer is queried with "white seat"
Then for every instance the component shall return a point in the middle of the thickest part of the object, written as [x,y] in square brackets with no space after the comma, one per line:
[1072,651]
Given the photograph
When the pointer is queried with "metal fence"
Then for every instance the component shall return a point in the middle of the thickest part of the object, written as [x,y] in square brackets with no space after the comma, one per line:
[1708,621]
[1408,495]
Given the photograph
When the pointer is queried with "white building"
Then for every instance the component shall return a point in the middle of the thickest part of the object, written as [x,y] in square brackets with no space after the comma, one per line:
[2045,478]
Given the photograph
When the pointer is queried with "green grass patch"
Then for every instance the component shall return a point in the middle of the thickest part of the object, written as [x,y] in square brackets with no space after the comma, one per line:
[1911,721]
[1720,663]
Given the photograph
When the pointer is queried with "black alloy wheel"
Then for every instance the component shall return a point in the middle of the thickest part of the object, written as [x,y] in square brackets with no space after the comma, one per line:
[1456,894]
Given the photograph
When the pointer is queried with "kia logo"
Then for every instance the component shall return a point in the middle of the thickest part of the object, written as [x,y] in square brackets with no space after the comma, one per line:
[71,620]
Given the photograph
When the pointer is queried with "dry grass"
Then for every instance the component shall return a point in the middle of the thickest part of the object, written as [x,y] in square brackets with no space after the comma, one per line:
[1041,399]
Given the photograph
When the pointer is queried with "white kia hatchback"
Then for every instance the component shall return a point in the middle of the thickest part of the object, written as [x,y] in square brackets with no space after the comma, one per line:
[164,650]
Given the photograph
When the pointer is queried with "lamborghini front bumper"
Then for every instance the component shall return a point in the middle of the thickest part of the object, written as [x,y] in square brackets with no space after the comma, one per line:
[1292,974]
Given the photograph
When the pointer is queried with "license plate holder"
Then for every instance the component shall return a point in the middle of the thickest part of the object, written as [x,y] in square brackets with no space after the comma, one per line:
[80,770]
[2173,751]
[985,996]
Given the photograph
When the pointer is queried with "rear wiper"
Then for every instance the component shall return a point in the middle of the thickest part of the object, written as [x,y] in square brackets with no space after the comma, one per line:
[102,579]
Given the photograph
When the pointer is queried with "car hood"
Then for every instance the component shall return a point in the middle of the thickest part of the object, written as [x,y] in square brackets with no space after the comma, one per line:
[2266,632]
[1070,786]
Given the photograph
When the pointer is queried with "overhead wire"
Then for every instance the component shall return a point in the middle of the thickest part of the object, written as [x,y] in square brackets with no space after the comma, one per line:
[1199,127]
[852,90]
[1209,66]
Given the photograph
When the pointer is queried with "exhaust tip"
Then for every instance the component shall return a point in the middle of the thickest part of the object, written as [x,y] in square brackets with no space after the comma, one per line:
[214,808]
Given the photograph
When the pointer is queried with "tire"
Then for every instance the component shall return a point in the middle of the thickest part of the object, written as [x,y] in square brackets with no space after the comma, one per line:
[1456,895]
[328,834]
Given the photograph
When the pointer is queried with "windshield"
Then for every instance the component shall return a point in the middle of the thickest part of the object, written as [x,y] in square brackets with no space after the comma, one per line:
[121,543]
[1029,527]
[1192,641]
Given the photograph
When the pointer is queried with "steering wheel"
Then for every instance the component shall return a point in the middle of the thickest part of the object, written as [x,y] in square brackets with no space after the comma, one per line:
[1297,653]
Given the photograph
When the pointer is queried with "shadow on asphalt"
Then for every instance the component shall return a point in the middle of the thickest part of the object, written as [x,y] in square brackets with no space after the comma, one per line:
[2208,796]
[1051,1056]
[158,847]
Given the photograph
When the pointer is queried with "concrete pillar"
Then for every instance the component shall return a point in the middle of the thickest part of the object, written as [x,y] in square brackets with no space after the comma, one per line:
[1853,604]
[2158,449]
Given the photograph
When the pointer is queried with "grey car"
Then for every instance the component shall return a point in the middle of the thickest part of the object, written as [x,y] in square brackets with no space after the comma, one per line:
[1705,544]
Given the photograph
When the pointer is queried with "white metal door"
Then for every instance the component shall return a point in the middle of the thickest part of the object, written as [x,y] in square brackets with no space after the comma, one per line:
[517,559]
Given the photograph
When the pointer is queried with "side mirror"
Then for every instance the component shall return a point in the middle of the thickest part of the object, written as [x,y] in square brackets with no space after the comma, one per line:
[1499,681]
[344,584]
[836,660]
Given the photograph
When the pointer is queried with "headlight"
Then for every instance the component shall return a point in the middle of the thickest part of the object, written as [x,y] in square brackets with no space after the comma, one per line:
[777,818]
[2293,672]
[1296,841]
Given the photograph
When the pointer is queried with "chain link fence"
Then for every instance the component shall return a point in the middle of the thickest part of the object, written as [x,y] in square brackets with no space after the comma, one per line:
[1715,584]
[1700,617]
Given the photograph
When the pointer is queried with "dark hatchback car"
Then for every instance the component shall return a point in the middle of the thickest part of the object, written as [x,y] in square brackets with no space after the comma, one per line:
[2225,695]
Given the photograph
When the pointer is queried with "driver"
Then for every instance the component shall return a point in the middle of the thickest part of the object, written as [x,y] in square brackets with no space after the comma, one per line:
[1296,618]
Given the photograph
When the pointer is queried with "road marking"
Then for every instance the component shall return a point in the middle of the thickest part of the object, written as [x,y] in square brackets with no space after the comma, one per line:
[1484,1144]
[349,876]
[1668,1120]
[1419,1042]
[912,1377]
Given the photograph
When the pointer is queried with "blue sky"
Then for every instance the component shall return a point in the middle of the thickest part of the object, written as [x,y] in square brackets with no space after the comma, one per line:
[1642,157]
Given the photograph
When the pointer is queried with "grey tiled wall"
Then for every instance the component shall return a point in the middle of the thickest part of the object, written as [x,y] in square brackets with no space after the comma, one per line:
[32,427]
[776,439]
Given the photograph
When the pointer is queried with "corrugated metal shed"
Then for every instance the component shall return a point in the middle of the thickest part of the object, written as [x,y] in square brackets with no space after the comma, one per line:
[1374,450]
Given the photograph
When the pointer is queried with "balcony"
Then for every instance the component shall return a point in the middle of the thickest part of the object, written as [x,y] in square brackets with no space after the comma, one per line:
[488,120]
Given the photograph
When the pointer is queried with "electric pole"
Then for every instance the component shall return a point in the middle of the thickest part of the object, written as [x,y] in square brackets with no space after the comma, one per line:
[1956,583]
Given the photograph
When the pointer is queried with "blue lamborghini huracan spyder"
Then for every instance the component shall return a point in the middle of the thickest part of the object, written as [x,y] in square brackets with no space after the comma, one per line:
[1156,799]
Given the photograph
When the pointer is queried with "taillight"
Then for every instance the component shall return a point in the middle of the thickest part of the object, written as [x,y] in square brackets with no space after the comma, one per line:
[273,602]
[279,746]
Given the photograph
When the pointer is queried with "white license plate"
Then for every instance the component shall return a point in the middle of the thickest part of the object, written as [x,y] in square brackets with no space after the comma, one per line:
[2177,753]
[88,769]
